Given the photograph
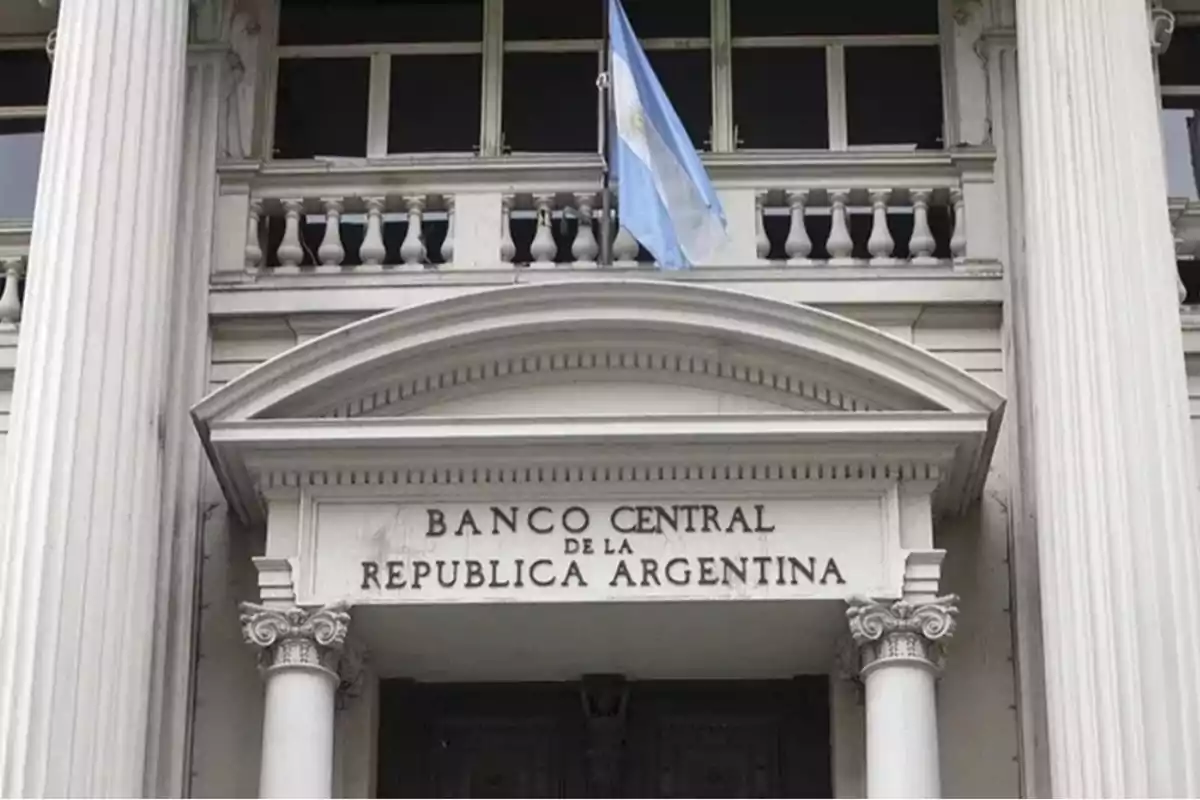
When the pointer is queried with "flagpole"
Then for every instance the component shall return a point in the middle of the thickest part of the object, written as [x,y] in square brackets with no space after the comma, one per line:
[605,84]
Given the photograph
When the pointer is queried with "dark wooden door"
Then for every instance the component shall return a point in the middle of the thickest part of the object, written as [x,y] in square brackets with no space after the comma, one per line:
[479,740]
[729,739]
[606,738]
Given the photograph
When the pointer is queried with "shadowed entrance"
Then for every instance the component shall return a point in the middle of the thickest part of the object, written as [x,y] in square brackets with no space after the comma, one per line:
[606,737]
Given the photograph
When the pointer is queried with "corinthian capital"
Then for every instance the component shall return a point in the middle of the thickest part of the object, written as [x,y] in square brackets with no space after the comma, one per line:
[901,630]
[296,637]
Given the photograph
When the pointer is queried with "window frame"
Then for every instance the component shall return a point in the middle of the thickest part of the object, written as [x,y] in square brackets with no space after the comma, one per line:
[1182,20]
[494,45]
[11,43]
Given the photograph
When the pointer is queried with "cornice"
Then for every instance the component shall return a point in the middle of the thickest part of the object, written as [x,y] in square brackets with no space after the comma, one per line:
[275,407]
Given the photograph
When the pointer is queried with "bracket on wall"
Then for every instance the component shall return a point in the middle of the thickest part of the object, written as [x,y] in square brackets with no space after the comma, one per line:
[1162,26]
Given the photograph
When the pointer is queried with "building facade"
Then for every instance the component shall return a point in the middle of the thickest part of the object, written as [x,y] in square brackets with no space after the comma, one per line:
[335,465]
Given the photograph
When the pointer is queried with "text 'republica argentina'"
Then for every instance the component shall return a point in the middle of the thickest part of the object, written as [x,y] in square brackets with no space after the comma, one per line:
[587,537]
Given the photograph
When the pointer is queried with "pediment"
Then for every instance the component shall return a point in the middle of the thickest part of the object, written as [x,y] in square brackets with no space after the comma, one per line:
[604,373]
[630,358]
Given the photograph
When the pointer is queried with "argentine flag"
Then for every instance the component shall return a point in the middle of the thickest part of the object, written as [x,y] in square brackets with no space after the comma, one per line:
[664,196]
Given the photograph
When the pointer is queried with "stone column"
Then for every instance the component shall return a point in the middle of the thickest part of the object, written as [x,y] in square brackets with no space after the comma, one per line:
[1118,544]
[900,657]
[79,507]
[300,653]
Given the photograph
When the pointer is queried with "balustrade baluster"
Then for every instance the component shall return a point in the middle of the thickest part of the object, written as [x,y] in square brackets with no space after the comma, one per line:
[508,248]
[291,252]
[624,248]
[762,244]
[1180,286]
[921,244]
[412,249]
[839,244]
[254,251]
[958,240]
[585,248]
[880,245]
[448,242]
[373,251]
[543,249]
[10,300]
[798,246]
[331,253]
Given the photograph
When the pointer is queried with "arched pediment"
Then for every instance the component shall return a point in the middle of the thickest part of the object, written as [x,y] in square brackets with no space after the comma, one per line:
[643,330]
[620,350]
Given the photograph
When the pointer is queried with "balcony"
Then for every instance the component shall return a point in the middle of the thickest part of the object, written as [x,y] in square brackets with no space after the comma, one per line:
[835,223]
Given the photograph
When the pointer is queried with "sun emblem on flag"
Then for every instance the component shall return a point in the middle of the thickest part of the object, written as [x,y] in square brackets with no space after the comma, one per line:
[637,121]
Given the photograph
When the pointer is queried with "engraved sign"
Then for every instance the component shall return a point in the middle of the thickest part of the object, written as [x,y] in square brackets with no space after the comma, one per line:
[588,550]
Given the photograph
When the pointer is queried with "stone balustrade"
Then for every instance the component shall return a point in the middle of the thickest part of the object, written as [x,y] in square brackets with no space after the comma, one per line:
[1185,226]
[823,210]
[869,226]
[358,232]
[14,255]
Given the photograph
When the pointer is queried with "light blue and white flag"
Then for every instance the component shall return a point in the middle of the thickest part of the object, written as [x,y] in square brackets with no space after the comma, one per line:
[664,196]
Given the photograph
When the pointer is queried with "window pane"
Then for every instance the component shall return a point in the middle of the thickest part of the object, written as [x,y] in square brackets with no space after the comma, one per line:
[20,155]
[659,19]
[894,96]
[848,17]
[321,108]
[550,102]
[780,99]
[529,20]
[1181,137]
[24,78]
[534,20]
[358,21]
[1180,65]
[435,104]
[686,78]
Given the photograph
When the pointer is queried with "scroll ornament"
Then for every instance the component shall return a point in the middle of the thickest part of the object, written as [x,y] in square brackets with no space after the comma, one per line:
[902,630]
[296,637]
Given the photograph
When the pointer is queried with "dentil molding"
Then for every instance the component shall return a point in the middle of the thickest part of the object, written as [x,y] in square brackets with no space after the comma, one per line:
[297,637]
[902,630]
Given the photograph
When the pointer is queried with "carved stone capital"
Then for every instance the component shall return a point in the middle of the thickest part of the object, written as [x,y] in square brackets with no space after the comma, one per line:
[901,630]
[297,637]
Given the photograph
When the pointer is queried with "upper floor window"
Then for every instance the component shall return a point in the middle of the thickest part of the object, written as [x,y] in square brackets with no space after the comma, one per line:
[1179,81]
[24,92]
[377,77]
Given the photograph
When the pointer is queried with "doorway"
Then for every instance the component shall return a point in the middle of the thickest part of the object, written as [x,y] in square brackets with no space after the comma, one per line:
[604,736]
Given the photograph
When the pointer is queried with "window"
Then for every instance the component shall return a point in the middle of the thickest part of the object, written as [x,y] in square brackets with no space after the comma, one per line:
[24,92]
[1179,79]
[372,77]
[865,73]
[552,59]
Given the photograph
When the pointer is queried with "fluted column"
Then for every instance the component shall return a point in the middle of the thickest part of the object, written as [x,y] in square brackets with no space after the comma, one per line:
[900,657]
[79,510]
[300,653]
[1119,558]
